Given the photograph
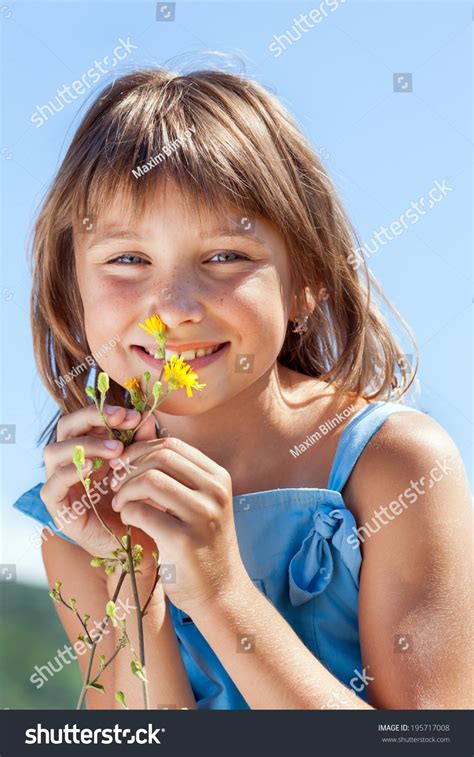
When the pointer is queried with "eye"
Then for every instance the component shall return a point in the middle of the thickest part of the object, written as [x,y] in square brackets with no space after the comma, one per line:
[237,256]
[136,258]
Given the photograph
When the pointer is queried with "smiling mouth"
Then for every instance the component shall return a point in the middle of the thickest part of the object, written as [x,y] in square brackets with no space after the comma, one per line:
[187,355]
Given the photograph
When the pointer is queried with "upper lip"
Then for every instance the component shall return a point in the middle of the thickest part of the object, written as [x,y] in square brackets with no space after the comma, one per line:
[182,347]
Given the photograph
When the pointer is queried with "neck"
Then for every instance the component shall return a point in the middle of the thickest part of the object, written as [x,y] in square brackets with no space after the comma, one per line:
[231,435]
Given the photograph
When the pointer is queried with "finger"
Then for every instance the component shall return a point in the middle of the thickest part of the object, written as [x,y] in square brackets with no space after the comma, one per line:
[162,491]
[87,418]
[158,525]
[56,489]
[167,460]
[147,431]
[138,449]
[61,453]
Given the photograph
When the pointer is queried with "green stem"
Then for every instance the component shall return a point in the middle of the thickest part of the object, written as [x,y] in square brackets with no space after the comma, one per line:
[136,599]
[155,581]
[144,420]
[101,520]
[101,628]
[86,680]
[83,624]
[94,680]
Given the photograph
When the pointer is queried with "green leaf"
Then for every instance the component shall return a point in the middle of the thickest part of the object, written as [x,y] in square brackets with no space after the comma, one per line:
[137,670]
[73,603]
[90,391]
[87,483]
[102,661]
[120,697]
[96,562]
[110,569]
[98,462]
[124,541]
[110,609]
[78,457]
[123,641]
[86,617]
[157,386]
[97,686]
[103,383]
[54,596]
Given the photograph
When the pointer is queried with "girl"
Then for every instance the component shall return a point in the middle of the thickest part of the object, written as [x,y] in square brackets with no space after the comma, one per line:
[313,530]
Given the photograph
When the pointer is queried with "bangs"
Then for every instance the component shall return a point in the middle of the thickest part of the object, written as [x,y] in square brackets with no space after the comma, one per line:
[208,141]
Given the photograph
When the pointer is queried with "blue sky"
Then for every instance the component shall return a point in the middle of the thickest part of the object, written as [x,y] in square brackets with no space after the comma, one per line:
[384,150]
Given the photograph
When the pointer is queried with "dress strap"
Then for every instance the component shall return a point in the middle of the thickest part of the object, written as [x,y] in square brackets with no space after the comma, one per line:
[356,434]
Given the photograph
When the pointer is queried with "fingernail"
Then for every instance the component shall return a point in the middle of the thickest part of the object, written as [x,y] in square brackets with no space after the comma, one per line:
[112,443]
[114,502]
[130,414]
[111,409]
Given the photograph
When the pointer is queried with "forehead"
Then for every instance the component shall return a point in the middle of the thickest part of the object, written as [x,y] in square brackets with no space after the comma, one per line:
[181,212]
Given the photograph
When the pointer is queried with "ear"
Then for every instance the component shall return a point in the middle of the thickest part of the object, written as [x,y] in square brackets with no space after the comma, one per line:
[310,304]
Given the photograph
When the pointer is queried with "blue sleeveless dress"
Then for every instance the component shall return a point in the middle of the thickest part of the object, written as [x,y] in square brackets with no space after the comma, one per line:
[295,546]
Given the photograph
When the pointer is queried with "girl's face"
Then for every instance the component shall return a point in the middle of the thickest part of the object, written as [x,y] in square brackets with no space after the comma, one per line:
[214,282]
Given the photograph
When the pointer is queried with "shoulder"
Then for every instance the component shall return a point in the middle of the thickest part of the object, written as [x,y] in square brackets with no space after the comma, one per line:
[411,477]
[408,447]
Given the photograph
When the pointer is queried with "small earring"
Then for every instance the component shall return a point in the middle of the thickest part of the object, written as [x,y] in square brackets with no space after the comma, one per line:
[300,324]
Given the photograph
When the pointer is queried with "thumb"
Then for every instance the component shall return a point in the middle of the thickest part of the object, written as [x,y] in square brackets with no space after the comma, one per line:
[147,431]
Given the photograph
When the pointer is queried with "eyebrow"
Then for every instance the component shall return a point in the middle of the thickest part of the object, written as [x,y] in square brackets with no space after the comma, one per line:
[126,234]
[108,236]
[228,231]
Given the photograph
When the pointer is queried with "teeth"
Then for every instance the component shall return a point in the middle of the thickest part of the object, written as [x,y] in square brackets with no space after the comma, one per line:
[187,354]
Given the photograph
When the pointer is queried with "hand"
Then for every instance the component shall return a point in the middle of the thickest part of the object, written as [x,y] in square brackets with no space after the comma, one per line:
[63,493]
[183,500]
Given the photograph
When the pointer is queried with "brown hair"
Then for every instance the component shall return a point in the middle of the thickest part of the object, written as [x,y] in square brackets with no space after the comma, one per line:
[246,150]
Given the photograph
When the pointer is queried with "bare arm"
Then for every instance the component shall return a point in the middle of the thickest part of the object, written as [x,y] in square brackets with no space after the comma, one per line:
[414,586]
[70,564]
[415,593]
[168,681]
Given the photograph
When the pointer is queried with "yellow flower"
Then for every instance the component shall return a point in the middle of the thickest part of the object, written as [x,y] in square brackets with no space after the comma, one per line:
[154,326]
[132,385]
[180,376]
[136,395]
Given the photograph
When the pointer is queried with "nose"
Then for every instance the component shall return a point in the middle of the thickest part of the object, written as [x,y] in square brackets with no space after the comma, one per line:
[177,303]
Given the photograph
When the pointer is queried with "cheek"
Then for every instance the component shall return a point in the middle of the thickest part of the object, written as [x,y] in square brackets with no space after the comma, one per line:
[105,311]
[257,308]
